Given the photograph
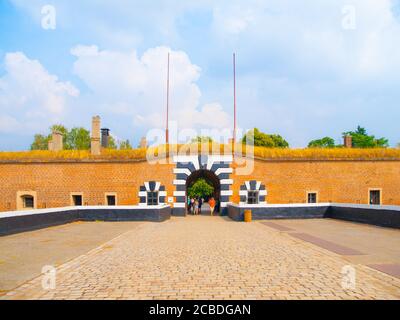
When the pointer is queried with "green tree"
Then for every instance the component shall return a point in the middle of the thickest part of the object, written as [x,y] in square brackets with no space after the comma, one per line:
[202,139]
[111,143]
[279,142]
[125,145]
[78,139]
[361,139]
[40,142]
[201,188]
[258,138]
[326,142]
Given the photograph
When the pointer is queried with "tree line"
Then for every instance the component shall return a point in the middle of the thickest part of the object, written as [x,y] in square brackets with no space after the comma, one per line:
[77,138]
[360,139]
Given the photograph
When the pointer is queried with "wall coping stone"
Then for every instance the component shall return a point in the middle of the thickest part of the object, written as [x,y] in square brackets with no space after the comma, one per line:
[311,205]
[22,213]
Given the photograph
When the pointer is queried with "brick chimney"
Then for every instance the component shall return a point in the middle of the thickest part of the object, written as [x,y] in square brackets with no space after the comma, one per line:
[95,137]
[56,141]
[143,143]
[105,137]
[348,141]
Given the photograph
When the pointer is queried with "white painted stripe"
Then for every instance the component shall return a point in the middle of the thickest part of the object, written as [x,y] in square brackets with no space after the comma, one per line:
[179,205]
[157,187]
[210,163]
[162,193]
[224,204]
[248,185]
[179,182]
[258,185]
[218,159]
[254,205]
[243,193]
[196,163]
[182,171]
[226,193]
[146,184]
[142,194]
[222,158]
[142,204]
[183,158]
[226,181]
[188,159]
[179,193]
[223,170]
[263,192]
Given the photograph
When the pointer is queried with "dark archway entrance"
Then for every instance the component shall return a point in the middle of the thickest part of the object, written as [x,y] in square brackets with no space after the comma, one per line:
[212,179]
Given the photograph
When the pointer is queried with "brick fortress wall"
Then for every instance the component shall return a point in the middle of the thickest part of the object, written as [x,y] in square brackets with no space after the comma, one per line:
[334,181]
[54,182]
[285,181]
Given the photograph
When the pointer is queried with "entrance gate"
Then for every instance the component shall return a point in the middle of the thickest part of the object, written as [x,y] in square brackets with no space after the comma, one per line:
[215,168]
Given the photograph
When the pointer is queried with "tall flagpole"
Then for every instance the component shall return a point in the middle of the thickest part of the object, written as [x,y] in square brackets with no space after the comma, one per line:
[234,98]
[166,127]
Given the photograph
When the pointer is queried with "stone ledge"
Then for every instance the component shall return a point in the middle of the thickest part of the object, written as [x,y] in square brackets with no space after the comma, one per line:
[21,221]
[384,216]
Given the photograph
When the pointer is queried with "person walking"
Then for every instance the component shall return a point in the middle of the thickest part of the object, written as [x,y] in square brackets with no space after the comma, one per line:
[189,204]
[211,202]
[192,206]
[201,200]
[217,206]
[196,206]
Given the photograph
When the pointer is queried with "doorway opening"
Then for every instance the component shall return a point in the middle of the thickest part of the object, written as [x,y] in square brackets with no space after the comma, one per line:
[203,184]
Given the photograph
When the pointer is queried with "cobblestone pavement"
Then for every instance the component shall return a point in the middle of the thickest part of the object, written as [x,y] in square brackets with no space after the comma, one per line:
[208,258]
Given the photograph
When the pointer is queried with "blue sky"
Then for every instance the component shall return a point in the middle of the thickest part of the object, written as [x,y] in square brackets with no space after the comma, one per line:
[300,71]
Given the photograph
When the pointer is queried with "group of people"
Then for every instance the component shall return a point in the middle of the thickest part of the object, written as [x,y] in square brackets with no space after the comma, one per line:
[195,204]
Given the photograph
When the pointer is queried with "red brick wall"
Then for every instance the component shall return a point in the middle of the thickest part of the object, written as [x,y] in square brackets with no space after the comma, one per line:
[55,181]
[286,181]
[335,181]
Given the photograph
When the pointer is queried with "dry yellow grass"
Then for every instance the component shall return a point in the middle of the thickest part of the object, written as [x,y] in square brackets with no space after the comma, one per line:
[44,155]
[259,152]
[326,154]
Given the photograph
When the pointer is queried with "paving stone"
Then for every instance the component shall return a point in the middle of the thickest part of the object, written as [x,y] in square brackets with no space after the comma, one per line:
[208,258]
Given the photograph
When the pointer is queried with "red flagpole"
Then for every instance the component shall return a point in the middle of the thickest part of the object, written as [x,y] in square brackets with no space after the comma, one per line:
[166,130]
[234,98]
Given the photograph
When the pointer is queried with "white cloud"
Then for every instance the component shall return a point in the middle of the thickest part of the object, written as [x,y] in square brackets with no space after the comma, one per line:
[126,84]
[121,85]
[309,37]
[211,115]
[328,71]
[233,20]
[30,95]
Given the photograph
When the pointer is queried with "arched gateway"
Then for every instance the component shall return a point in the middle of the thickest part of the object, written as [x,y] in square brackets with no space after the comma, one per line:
[214,168]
